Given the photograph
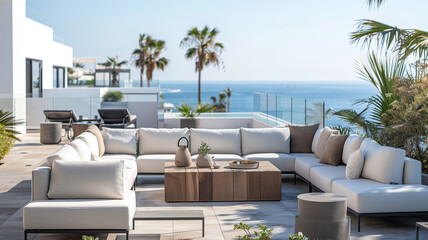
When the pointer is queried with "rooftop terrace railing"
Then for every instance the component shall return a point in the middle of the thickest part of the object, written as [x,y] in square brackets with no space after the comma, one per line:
[276,109]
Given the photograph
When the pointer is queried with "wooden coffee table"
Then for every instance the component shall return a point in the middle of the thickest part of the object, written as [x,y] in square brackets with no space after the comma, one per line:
[189,184]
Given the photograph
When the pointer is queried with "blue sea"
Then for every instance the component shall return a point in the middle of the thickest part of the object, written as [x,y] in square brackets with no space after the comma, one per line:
[336,95]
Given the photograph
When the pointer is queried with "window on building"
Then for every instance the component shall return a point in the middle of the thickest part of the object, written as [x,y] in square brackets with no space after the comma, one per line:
[34,79]
[58,77]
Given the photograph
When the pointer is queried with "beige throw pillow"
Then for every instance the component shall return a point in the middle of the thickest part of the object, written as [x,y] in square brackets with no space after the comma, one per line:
[333,150]
[103,179]
[322,140]
[355,165]
[301,137]
[96,131]
[352,143]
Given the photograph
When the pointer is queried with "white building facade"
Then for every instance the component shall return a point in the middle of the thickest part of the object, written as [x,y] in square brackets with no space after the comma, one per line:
[30,60]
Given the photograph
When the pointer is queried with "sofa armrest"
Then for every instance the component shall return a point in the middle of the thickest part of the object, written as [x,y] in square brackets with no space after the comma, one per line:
[412,173]
[40,183]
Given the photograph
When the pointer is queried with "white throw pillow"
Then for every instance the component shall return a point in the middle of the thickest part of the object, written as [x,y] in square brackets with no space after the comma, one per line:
[355,165]
[118,141]
[82,149]
[91,140]
[104,179]
[221,141]
[265,140]
[316,138]
[67,152]
[160,141]
[322,141]
[352,143]
[382,164]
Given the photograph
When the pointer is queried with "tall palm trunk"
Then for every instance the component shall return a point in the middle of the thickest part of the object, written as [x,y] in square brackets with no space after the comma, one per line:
[199,86]
[148,82]
[141,76]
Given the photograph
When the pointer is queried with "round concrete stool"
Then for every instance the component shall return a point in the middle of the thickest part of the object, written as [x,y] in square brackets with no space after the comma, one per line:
[50,132]
[323,216]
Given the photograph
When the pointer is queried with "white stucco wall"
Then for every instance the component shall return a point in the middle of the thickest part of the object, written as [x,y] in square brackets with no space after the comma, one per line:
[23,38]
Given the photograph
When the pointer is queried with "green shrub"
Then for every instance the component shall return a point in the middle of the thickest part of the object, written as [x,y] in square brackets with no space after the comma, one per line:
[6,142]
[113,96]
[264,232]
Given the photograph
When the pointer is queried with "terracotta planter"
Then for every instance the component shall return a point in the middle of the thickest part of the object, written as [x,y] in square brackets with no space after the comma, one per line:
[189,123]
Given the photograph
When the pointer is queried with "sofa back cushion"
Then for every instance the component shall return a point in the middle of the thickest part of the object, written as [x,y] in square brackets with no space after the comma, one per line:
[160,141]
[265,140]
[315,139]
[104,179]
[301,137]
[332,154]
[322,141]
[382,164]
[82,149]
[120,141]
[227,141]
[91,140]
[67,152]
[352,143]
[96,131]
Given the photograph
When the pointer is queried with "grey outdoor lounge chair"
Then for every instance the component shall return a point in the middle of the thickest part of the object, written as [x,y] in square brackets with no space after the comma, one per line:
[66,117]
[117,118]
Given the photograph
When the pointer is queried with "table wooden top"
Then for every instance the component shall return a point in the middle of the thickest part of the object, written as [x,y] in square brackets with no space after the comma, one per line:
[264,166]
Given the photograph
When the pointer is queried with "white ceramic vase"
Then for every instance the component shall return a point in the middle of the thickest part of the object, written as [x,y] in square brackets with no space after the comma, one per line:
[204,160]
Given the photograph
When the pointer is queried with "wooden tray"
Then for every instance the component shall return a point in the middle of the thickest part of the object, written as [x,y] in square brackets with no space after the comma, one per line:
[246,164]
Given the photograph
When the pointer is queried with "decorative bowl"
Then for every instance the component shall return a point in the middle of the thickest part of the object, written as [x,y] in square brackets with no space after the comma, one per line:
[216,166]
[243,164]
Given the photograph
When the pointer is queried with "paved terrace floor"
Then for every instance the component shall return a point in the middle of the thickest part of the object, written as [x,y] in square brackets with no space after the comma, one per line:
[15,177]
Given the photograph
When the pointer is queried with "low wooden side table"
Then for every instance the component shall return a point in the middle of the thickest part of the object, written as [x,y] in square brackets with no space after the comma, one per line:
[192,184]
[420,225]
[80,127]
[170,215]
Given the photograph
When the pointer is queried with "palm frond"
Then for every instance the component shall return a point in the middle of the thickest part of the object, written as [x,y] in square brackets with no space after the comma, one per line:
[9,122]
[375,3]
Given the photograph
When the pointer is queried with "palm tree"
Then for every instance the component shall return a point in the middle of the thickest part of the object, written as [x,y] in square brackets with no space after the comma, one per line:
[219,106]
[403,41]
[228,93]
[153,60]
[141,54]
[114,64]
[8,121]
[79,65]
[202,46]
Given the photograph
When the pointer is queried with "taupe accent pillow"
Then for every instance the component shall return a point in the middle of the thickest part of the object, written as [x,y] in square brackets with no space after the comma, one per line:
[322,140]
[96,131]
[333,150]
[301,137]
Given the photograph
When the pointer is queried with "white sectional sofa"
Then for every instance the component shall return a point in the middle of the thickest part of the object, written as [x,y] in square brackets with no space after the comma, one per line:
[390,184]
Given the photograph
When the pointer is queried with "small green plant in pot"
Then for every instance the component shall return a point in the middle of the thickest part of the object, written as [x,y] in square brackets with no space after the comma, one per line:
[113,96]
[204,159]
[190,114]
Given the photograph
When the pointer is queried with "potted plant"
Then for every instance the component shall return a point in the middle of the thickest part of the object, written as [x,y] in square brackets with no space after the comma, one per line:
[190,113]
[204,159]
[113,99]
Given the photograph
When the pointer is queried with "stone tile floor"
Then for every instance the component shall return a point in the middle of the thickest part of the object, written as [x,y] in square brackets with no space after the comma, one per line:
[15,190]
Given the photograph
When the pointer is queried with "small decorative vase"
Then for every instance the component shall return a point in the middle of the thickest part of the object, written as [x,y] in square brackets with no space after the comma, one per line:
[204,160]
[182,157]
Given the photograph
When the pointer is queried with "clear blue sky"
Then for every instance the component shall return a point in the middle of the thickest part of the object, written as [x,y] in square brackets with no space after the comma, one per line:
[264,40]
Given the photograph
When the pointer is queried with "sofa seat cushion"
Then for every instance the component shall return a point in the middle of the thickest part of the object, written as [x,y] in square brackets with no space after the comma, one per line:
[296,155]
[223,141]
[323,177]
[282,161]
[128,157]
[221,157]
[302,166]
[367,196]
[153,163]
[80,213]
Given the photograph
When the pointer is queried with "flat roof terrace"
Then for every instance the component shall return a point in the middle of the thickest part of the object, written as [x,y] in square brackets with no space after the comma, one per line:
[15,192]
